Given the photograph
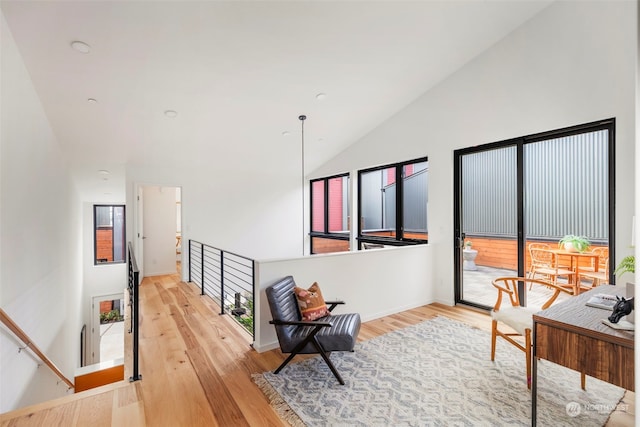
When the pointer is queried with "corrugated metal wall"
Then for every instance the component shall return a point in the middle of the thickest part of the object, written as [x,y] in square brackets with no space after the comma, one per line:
[489,192]
[415,201]
[389,203]
[566,189]
[379,203]
[371,199]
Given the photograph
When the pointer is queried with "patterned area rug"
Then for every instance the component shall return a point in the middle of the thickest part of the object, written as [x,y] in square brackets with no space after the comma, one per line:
[435,373]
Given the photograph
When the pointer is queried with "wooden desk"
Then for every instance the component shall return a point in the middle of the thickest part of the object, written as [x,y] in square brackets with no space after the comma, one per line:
[573,335]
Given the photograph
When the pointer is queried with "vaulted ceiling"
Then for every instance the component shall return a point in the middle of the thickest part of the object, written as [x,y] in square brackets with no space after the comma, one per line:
[238,73]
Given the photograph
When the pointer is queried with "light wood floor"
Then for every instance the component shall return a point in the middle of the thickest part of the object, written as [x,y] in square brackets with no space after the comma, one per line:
[196,368]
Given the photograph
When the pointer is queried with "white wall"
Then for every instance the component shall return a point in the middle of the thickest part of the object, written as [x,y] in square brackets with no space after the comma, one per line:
[40,270]
[374,283]
[573,63]
[253,213]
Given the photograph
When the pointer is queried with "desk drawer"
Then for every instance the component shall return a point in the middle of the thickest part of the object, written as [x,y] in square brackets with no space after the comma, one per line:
[596,358]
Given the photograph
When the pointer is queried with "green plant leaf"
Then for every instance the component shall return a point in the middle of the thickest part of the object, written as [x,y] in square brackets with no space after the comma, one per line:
[626,265]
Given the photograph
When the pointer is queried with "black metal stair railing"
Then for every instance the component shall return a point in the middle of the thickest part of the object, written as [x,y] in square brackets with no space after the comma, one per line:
[134,305]
[228,278]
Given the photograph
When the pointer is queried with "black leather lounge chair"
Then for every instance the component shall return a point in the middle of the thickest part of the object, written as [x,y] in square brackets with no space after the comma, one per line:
[322,336]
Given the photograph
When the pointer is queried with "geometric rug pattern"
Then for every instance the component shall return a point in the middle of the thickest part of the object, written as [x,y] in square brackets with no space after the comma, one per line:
[435,373]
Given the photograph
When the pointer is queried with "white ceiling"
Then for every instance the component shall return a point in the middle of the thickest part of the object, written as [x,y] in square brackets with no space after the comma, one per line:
[238,73]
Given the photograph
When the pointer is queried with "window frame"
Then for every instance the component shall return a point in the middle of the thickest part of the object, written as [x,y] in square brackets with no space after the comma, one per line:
[96,228]
[325,234]
[398,239]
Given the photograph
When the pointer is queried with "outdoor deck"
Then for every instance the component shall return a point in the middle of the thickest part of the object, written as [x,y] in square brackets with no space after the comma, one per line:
[478,287]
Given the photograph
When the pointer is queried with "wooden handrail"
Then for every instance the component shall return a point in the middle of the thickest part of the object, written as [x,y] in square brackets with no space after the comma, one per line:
[4,317]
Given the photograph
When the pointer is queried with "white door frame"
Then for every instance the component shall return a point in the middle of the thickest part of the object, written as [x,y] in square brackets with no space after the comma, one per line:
[138,231]
[94,355]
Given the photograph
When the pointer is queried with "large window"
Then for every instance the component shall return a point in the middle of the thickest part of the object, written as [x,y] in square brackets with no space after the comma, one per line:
[392,201]
[109,239]
[330,217]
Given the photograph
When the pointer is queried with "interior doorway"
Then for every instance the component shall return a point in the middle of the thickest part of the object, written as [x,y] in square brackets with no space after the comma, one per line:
[161,221]
[108,327]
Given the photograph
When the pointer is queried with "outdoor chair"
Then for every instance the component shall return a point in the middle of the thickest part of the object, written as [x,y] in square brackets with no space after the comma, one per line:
[544,262]
[519,319]
[602,275]
[321,336]
[535,262]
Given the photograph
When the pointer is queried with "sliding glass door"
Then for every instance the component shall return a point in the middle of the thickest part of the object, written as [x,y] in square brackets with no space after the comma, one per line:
[516,197]
[488,221]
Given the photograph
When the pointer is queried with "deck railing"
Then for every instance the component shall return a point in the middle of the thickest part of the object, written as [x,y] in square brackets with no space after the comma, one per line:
[134,305]
[228,278]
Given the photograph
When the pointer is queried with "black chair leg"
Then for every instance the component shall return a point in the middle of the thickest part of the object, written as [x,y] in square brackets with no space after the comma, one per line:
[321,351]
[330,364]
[310,338]
[287,360]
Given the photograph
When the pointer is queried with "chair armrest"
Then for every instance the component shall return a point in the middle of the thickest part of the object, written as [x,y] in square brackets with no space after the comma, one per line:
[299,323]
[560,289]
[333,304]
[553,297]
[501,289]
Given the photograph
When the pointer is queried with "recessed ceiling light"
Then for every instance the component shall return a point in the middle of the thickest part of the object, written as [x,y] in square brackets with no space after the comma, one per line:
[171,113]
[81,47]
[104,172]
[92,101]
[286,133]
[321,96]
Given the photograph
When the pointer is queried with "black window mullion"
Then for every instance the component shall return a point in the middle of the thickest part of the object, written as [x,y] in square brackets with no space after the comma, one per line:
[359,219]
[399,202]
[521,220]
[113,233]
[326,205]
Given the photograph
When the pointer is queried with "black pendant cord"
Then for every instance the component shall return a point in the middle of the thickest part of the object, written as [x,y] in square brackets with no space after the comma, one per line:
[302,118]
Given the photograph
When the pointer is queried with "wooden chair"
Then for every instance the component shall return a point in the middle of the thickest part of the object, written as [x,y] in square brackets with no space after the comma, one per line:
[602,275]
[535,262]
[519,319]
[544,262]
[539,262]
[337,332]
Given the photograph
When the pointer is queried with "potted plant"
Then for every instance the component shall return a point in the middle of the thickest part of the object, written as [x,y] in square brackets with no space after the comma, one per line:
[573,243]
[467,244]
[626,265]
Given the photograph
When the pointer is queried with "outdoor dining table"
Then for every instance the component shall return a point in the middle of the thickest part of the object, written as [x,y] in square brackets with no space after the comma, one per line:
[575,264]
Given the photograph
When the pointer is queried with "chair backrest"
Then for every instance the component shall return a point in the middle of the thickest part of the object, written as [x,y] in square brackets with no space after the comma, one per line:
[533,247]
[542,257]
[603,258]
[283,306]
[544,293]
[539,246]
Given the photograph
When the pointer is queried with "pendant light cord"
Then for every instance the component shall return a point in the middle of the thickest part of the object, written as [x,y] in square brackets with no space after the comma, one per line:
[302,118]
